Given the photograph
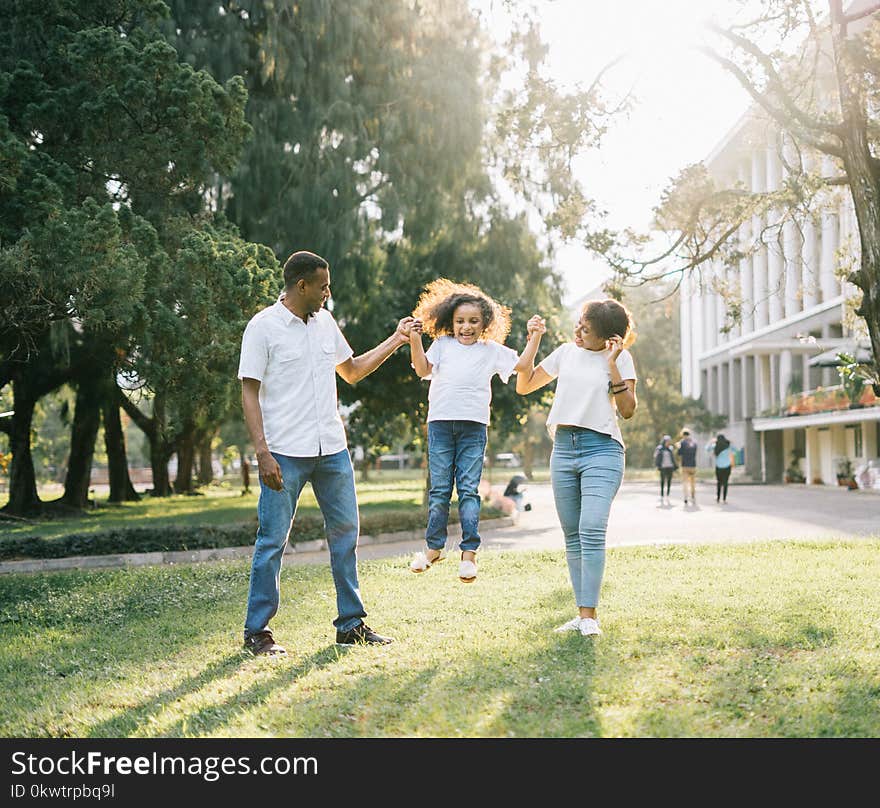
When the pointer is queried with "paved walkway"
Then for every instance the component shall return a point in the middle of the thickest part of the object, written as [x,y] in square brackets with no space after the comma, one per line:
[753,512]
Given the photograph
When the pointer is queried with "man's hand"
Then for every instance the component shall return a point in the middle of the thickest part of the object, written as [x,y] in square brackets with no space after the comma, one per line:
[270,471]
[403,329]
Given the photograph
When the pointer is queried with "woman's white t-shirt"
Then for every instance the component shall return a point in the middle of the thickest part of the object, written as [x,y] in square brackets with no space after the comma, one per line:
[582,396]
[461,378]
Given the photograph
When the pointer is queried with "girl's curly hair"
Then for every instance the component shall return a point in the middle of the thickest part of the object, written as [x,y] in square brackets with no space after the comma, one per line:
[437,305]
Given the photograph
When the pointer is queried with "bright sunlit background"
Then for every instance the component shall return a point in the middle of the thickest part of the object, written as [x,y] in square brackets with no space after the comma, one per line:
[684,103]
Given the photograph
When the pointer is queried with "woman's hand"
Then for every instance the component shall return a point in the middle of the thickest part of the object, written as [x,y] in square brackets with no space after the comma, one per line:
[535,325]
[615,345]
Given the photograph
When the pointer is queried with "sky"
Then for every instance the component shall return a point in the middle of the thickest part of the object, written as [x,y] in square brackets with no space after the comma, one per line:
[685,104]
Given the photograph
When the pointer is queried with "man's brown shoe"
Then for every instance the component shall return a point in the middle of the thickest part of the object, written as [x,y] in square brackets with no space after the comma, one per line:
[261,643]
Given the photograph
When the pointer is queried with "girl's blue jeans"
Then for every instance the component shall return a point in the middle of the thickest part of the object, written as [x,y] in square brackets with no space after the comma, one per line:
[586,469]
[455,455]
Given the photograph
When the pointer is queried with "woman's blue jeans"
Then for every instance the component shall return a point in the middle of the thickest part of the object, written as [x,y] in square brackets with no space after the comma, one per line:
[586,469]
[455,454]
[332,479]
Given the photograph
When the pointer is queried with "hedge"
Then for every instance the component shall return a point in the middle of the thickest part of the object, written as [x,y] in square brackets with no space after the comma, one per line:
[195,537]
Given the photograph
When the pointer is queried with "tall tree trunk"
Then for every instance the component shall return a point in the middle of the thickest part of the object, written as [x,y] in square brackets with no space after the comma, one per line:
[86,419]
[23,498]
[186,449]
[160,454]
[121,489]
[862,169]
[206,465]
[528,457]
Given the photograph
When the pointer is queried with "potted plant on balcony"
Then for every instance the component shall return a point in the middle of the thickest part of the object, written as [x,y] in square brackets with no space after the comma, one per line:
[853,377]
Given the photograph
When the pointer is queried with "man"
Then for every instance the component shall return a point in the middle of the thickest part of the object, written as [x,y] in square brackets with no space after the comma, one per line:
[290,354]
[687,454]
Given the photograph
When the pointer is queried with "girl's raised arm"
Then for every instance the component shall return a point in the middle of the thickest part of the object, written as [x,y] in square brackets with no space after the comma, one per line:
[528,378]
[419,361]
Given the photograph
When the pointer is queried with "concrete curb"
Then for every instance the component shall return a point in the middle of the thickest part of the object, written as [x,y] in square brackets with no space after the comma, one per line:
[211,554]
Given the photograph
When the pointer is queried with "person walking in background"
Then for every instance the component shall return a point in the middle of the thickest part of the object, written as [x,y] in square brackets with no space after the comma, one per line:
[596,383]
[664,460]
[724,459]
[687,455]
[291,352]
[468,328]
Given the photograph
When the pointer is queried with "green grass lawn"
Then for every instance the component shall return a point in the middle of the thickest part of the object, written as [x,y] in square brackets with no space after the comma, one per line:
[215,506]
[752,640]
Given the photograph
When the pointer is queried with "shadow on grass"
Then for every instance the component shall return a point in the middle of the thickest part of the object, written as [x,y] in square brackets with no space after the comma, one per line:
[206,719]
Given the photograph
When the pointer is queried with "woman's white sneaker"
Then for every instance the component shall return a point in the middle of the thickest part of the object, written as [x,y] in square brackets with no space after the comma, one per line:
[589,627]
[571,625]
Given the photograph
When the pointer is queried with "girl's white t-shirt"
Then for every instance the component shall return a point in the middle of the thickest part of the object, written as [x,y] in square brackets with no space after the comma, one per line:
[582,396]
[461,378]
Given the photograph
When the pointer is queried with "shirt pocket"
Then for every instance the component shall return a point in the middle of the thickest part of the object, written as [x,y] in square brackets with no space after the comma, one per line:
[327,353]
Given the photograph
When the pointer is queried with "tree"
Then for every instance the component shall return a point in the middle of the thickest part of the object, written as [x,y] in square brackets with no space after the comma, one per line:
[823,97]
[188,358]
[392,141]
[109,141]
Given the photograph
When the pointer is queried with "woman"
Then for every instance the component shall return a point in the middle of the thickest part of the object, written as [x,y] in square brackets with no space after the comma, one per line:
[597,381]
[724,459]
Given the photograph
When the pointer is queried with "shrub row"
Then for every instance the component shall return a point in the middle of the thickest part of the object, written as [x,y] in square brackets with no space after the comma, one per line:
[166,537]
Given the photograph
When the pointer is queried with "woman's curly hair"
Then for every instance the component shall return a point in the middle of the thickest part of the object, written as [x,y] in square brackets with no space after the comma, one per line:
[608,317]
[437,305]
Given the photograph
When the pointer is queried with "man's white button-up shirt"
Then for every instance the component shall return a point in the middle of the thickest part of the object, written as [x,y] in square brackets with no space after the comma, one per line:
[295,363]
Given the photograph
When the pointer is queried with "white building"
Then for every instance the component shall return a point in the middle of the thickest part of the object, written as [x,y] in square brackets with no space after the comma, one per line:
[760,373]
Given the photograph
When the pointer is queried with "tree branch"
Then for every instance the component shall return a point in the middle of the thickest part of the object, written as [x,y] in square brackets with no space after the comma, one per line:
[805,120]
[143,422]
[775,112]
[848,18]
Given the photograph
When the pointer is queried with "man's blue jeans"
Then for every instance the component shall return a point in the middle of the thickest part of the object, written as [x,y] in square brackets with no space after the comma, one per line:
[455,454]
[332,479]
[586,468]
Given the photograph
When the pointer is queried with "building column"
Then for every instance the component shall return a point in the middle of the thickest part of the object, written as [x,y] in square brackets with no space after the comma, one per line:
[686,335]
[791,252]
[746,284]
[809,451]
[828,283]
[763,383]
[774,251]
[759,258]
[809,257]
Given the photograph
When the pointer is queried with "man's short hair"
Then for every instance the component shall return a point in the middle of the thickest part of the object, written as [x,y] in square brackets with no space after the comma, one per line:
[301,264]
[685,432]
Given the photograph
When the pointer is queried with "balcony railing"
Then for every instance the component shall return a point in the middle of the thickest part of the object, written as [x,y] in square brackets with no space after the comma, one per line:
[824,399]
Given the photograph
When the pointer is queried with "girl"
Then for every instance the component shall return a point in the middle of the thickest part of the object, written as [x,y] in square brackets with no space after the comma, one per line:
[468,328]
[597,381]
